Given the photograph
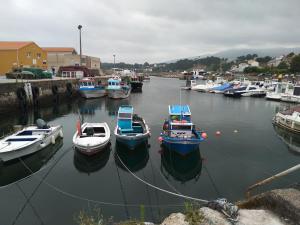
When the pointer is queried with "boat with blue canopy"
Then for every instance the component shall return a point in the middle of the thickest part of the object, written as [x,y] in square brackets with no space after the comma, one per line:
[179,132]
[117,88]
[88,88]
[131,129]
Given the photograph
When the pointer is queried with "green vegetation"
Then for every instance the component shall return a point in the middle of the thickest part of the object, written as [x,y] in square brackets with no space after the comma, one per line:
[192,213]
[295,64]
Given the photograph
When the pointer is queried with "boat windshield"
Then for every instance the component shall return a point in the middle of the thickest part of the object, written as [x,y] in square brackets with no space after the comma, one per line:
[125,115]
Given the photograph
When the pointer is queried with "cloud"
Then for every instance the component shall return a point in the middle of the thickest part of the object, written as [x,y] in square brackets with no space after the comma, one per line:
[152,30]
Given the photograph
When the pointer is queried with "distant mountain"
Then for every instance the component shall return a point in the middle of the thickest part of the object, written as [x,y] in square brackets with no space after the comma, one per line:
[232,54]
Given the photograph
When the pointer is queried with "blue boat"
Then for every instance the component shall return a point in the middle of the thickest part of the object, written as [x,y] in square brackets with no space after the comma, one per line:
[89,89]
[117,88]
[131,129]
[222,88]
[179,132]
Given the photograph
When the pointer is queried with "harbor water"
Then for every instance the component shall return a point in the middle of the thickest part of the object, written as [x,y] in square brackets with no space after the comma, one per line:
[248,149]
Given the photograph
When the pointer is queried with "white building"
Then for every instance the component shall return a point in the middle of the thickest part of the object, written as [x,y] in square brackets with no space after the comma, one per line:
[275,62]
[253,62]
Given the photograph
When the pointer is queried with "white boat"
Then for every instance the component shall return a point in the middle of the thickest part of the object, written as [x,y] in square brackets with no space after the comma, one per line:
[280,89]
[254,91]
[89,89]
[189,84]
[293,97]
[91,138]
[289,119]
[205,87]
[118,89]
[29,140]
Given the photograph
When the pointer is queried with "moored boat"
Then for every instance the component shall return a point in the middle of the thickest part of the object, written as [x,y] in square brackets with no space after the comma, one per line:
[131,129]
[289,119]
[254,91]
[179,133]
[189,84]
[29,140]
[91,138]
[280,89]
[89,89]
[136,83]
[117,88]
[293,97]
[235,92]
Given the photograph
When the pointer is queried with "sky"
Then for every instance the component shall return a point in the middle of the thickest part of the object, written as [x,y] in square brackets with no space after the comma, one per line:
[137,31]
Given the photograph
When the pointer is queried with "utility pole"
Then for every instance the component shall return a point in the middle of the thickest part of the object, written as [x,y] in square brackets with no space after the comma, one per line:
[79,28]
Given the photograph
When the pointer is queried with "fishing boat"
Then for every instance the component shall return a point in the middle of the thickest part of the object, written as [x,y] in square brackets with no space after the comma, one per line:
[131,129]
[179,133]
[289,119]
[117,88]
[280,89]
[91,138]
[29,140]
[88,88]
[136,83]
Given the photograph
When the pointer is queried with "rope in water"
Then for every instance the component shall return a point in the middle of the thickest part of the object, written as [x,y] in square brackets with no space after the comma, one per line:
[161,189]
[92,200]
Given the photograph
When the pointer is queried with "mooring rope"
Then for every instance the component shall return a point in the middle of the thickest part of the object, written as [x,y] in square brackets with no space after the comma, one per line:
[92,200]
[161,189]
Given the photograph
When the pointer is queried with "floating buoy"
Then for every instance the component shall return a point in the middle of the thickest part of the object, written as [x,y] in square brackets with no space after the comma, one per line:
[204,135]
[218,133]
[235,131]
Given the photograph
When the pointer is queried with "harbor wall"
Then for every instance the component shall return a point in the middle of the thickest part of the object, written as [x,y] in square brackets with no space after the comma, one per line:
[20,95]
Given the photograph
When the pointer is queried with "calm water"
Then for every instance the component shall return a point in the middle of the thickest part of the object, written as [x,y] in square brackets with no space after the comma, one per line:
[65,182]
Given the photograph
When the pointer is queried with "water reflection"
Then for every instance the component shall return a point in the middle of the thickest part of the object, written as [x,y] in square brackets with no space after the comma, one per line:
[134,160]
[290,139]
[181,168]
[112,105]
[90,164]
[13,171]
[89,106]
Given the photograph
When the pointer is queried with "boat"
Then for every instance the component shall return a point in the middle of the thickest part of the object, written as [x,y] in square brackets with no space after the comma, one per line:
[280,89]
[222,88]
[205,87]
[29,140]
[91,138]
[292,140]
[189,84]
[254,91]
[235,92]
[293,97]
[179,133]
[289,119]
[89,89]
[131,129]
[136,83]
[146,78]
[117,88]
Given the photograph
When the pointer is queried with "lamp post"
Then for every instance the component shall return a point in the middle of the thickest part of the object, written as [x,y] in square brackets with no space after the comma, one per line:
[114,61]
[79,28]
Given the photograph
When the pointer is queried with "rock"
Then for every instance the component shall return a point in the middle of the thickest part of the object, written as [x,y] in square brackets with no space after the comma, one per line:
[283,202]
[258,217]
[175,219]
[212,217]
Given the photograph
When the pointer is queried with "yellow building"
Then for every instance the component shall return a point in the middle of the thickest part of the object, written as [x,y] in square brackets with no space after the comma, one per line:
[21,54]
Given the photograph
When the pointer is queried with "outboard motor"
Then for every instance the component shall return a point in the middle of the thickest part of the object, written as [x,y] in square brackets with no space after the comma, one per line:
[41,124]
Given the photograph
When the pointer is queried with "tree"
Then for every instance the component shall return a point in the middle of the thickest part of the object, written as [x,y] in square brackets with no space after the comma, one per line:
[283,65]
[295,64]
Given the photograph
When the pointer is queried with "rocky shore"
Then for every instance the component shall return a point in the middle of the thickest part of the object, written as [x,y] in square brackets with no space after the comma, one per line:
[276,207]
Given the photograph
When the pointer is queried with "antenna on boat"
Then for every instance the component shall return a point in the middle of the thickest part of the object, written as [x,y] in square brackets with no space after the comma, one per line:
[180,104]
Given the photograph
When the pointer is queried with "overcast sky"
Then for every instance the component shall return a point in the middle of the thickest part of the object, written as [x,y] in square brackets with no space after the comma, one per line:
[152,30]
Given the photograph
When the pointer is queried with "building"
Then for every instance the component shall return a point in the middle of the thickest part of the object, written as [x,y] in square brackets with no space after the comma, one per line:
[275,61]
[65,56]
[253,62]
[21,54]
[74,71]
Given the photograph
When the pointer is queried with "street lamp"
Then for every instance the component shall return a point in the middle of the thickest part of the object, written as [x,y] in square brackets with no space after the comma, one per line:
[114,61]
[79,28]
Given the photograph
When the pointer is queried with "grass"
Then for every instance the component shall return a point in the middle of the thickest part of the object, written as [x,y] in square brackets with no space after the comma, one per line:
[192,213]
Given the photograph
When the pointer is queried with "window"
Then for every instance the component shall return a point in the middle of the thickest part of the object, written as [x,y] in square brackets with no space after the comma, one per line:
[28,54]
[64,74]
[125,115]
[38,55]
[44,62]
[73,74]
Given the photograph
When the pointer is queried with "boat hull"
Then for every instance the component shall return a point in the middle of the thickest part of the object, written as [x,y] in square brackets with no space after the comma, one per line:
[132,142]
[93,93]
[119,94]
[136,86]
[92,150]
[36,146]
[182,147]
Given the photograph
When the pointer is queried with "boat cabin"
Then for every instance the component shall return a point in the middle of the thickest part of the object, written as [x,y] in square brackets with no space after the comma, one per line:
[126,123]
[87,82]
[180,121]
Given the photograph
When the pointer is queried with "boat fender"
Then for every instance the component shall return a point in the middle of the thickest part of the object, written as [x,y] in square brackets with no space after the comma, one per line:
[204,135]
[160,139]
[61,134]
[53,139]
